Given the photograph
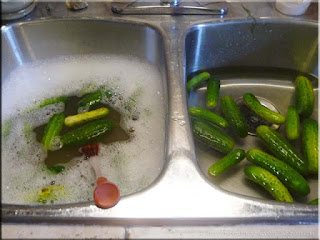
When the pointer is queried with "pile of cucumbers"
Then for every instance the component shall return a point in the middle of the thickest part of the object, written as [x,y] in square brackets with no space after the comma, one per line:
[282,173]
[90,126]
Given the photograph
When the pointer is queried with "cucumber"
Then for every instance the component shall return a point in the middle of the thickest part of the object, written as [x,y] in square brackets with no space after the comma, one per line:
[212,117]
[304,96]
[281,148]
[310,143]
[213,90]
[234,117]
[90,100]
[314,202]
[197,80]
[292,123]
[227,162]
[212,136]
[56,169]
[87,133]
[53,128]
[53,101]
[269,182]
[85,117]
[288,176]
[271,116]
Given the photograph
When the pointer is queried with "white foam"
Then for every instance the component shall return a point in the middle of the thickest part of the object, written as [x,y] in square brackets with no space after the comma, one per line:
[132,165]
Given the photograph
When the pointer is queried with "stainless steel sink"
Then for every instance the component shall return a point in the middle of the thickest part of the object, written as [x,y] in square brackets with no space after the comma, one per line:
[182,194]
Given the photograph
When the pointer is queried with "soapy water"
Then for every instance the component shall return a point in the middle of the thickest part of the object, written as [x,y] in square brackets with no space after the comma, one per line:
[137,95]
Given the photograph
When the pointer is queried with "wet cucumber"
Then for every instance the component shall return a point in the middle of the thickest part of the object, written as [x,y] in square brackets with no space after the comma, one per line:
[85,117]
[288,176]
[292,123]
[87,133]
[234,117]
[227,162]
[90,100]
[314,202]
[197,80]
[212,136]
[269,182]
[304,96]
[53,101]
[271,116]
[282,149]
[53,128]
[213,90]
[212,117]
[310,144]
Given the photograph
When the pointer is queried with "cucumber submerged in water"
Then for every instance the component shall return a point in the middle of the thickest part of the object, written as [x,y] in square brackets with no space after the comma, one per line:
[53,128]
[85,117]
[87,133]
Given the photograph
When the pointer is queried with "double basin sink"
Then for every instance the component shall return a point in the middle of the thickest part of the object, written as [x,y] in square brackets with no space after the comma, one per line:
[261,56]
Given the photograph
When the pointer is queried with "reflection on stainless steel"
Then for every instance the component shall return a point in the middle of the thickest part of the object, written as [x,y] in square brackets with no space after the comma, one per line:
[11,10]
[182,194]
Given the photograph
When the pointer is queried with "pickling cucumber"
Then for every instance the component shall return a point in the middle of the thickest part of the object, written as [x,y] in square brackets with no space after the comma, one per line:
[314,202]
[288,176]
[227,162]
[282,149]
[85,117]
[212,117]
[90,100]
[310,144]
[267,114]
[53,101]
[269,182]
[197,80]
[53,128]
[212,136]
[87,133]
[234,117]
[304,96]
[292,123]
[213,90]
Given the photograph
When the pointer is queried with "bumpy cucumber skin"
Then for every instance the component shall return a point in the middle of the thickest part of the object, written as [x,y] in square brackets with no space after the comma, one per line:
[304,96]
[87,133]
[85,117]
[53,128]
[295,183]
[254,104]
[212,117]
[310,143]
[282,149]
[91,99]
[212,136]
[213,91]
[234,117]
[227,162]
[196,80]
[269,182]
[292,123]
[314,202]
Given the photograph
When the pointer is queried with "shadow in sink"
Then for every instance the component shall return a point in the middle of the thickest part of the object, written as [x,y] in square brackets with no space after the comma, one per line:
[263,61]
[50,58]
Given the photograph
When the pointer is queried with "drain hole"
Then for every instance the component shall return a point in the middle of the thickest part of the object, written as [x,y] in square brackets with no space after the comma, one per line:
[252,119]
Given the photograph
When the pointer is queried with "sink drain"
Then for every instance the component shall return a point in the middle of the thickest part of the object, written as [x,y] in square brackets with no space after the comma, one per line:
[252,119]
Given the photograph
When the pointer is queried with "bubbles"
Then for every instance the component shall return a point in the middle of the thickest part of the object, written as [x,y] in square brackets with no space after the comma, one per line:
[56,143]
[132,165]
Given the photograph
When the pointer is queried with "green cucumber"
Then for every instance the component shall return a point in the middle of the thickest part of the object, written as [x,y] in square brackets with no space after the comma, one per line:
[56,169]
[53,101]
[212,117]
[53,128]
[282,149]
[271,116]
[288,176]
[85,117]
[310,143]
[234,117]
[269,182]
[314,202]
[292,123]
[87,133]
[227,162]
[197,80]
[304,96]
[213,90]
[89,100]
[212,136]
